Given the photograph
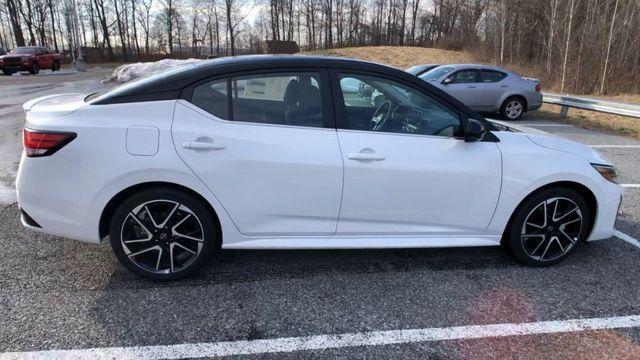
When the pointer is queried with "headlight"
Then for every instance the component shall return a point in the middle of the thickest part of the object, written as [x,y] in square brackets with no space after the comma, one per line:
[25,58]
[607,171]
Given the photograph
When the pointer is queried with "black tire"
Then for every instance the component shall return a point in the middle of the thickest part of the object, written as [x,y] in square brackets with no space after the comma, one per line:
[158,244]
[55,66]
[8,72]
[35,68]
[543,241]
[513,108]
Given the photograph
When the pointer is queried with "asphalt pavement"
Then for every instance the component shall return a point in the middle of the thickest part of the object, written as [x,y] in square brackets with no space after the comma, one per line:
[59,294]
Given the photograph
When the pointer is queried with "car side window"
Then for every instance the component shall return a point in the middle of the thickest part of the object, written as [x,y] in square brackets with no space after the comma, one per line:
[491,76]
[382,105]
[291,98]
[212,97]
[463,77]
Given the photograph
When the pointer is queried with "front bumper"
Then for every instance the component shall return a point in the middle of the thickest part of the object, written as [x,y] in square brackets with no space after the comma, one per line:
[608,207]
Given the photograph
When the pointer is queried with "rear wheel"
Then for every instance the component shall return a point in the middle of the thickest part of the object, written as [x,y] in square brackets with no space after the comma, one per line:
[55,66]
[512,108]
[163,234]
[548,226]
[35,68]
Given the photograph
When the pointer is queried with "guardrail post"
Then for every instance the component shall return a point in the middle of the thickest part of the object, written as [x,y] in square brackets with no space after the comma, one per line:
[564,110]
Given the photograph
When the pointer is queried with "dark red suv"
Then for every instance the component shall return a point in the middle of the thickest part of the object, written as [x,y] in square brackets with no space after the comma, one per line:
[29,58]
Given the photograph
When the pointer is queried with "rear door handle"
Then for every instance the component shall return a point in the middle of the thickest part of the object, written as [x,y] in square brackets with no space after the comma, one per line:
[201,145]
[365,156]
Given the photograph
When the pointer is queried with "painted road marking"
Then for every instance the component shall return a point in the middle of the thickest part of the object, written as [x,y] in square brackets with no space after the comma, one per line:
[616,146]
[631,240]
[558,125]
[630,185]
[320,342]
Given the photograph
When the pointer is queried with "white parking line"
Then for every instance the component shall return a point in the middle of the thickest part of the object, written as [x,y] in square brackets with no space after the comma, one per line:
[631,240]
[616,146]
[557,125]
[320,342]
[630,185]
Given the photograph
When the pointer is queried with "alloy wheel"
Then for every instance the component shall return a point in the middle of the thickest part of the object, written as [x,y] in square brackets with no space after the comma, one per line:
[551,229]
[513,109]
[162,236]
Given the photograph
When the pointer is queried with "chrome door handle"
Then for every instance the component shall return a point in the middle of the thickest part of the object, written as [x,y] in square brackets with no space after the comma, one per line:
[200,145]
[365,156]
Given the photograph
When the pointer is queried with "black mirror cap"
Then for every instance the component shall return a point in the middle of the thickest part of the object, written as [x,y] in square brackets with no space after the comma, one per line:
[475,131]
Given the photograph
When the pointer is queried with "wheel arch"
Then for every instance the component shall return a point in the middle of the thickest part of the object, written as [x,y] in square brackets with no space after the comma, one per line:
[588,196]
[112,204]
[521,97]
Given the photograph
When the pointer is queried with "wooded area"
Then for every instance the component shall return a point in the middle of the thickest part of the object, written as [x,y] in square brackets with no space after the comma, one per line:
[578,46]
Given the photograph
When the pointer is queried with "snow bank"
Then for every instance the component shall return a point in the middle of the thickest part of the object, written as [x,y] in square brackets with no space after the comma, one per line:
[129,72]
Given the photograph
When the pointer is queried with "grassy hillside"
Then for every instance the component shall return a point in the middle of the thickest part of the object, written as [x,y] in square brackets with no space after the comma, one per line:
[399,56]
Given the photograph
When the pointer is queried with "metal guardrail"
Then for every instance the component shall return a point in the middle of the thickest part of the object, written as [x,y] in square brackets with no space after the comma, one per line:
[611,107]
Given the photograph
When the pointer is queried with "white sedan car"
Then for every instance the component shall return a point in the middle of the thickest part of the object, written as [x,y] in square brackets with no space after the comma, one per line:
[266,152]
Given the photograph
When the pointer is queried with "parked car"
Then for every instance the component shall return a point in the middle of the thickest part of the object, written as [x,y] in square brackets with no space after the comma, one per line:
[488,89]
[269,152]
[31,59]
[421,69]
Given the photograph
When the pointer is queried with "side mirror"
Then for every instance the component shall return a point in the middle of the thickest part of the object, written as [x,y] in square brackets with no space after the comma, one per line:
[475,131]
[447,81]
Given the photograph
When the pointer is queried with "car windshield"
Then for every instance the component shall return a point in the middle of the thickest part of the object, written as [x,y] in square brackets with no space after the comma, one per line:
[24,50]
[437,73]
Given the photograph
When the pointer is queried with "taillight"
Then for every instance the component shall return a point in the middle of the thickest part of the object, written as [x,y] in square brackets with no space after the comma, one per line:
[44,143]
[538,87]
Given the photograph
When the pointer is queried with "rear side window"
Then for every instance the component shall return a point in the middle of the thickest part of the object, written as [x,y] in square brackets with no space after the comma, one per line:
[278,98]
[212,97]
[491,76]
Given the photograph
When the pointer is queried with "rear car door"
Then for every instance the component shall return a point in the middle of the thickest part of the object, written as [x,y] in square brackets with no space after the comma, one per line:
[265,144]
[411,173]
[490,88]
[462,84]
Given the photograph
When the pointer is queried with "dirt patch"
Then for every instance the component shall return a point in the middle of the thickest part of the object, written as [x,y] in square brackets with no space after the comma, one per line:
[613,124]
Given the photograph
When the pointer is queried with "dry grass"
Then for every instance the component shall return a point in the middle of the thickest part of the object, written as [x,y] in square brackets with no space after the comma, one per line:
[614,124]
[399,56]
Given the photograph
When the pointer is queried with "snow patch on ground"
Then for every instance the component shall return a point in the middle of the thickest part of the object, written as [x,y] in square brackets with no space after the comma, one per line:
[129,72]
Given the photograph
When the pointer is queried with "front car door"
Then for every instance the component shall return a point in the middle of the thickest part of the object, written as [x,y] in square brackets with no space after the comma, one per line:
[461,84]
[269,151]
[407,169]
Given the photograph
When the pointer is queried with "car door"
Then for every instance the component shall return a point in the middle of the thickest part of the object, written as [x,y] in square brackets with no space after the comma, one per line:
[461,84]
[412,174]
[43,58]
[269,151]
[490,88]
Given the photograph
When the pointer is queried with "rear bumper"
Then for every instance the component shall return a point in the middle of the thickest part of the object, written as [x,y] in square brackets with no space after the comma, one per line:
[534,102]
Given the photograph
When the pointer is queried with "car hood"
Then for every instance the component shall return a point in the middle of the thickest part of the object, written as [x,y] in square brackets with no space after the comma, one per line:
[551,141]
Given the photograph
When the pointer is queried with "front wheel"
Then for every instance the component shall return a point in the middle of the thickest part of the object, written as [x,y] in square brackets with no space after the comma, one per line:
[548,226]
[55,66]
[8,72]
[512,108]
[163,234]
[35,68]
